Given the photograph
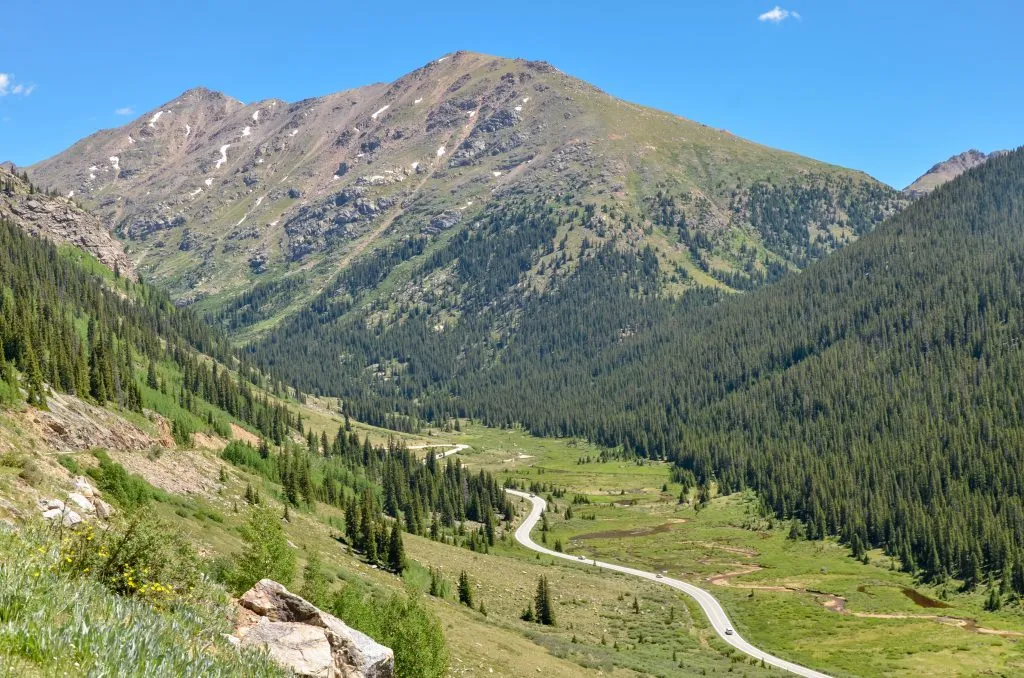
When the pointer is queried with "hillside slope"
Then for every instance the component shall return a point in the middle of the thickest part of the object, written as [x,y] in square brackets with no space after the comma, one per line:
[876,395]
[214,196]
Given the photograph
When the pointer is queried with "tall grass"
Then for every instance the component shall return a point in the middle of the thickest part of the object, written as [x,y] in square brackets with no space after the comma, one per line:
[54,623]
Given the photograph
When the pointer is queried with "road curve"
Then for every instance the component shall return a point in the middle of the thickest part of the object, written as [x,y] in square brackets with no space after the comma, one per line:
[715,614]
[455,449]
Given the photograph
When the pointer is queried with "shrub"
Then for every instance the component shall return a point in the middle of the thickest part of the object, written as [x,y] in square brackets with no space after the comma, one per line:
[69,462]
[314,581]
[266,555]
[127,490]
[140,557]
[402,623]
[55,621]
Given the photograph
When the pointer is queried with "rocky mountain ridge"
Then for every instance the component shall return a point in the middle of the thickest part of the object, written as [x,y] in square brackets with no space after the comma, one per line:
[947,170]
[214,196]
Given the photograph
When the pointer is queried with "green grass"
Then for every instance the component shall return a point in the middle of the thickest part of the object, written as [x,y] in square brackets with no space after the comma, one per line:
[779,604]
[52,624]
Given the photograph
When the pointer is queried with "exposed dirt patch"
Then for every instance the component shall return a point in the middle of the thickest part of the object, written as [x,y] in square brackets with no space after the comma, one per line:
[835,603]
[205,441]
[239,433]
[724,578]
[175,471]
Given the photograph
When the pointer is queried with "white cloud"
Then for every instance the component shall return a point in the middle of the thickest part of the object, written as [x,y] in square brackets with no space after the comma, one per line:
[777,15]
[124,110]
[8,86]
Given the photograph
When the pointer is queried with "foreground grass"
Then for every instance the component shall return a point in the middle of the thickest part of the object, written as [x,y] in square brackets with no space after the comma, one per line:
[54,624]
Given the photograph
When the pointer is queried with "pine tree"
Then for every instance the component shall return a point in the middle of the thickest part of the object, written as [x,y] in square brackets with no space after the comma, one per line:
[396,550]
[544,610]
[465,591]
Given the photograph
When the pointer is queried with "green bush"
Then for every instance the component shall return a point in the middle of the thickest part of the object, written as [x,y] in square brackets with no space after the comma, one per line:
[69,462]
[266,555]
[139,557]
[402,623]
[9,393]
[127,490]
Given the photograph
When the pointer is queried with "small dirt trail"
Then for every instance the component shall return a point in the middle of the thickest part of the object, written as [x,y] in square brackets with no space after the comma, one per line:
[838,605]
[708,603]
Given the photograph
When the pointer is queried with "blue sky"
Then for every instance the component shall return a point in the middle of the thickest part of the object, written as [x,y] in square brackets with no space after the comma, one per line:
[889,87]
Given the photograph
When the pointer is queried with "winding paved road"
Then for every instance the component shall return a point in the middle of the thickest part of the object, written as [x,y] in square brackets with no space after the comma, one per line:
[715,614]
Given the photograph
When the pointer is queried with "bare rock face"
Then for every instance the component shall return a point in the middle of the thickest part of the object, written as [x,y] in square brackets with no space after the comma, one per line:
[306,640]
[60,220]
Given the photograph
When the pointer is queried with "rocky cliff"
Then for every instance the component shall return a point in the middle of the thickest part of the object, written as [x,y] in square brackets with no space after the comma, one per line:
[59,219]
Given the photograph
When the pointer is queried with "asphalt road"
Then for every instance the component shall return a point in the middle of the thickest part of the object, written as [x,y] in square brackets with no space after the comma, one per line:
[715,614]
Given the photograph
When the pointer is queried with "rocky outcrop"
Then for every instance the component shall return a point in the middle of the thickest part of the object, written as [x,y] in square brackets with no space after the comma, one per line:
[317,226]
[60,220]
[73,425]
[442,222]
[306,640]
[83,502]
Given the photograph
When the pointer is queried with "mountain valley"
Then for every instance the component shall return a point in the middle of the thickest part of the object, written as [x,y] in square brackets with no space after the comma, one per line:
[501,375]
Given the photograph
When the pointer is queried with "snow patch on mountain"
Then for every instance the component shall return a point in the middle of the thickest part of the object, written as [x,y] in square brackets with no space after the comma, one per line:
[223,155]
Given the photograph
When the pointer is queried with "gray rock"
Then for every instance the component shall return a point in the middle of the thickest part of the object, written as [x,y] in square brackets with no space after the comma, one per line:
[303,649]
[103,509]
[67,517]
[307,640]
[83,487]
[442,222]
[62,221]
[81,502]
[51,504]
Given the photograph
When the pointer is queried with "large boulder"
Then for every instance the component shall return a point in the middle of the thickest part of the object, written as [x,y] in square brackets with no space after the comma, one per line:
[305,639]
[81,503]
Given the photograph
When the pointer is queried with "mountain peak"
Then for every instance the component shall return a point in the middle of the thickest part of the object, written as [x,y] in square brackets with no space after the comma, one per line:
[947,170]
[232,192]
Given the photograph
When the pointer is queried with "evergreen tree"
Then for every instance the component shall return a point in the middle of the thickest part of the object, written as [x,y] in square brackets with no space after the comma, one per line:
[465,591]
